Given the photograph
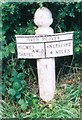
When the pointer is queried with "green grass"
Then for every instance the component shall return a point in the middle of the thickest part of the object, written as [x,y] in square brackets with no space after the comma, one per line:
[66,103]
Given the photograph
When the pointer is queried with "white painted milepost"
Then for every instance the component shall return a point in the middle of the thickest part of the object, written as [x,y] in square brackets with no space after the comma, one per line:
[45,67]
[45,46]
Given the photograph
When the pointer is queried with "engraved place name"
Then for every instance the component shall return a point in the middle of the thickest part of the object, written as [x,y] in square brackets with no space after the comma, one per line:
[56,49]
[59,44]
[31,50]
[44,38]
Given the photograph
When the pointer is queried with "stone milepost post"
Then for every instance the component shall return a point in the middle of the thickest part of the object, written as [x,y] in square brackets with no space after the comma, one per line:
[45,46]
[46,66]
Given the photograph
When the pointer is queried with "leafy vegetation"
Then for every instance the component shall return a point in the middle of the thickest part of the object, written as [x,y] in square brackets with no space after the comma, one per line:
[66,103]
[19,79]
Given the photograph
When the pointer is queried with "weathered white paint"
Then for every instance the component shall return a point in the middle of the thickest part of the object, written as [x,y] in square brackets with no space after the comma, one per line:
[58,49]
[46,67]
[31,50]
[44,38]
[44,46]
[46,78]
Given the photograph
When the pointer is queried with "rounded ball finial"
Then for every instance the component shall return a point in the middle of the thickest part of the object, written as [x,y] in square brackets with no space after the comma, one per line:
[43,17]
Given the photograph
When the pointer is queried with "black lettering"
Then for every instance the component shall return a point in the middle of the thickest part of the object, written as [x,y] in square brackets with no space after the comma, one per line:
[59,51]
[33,51]
[37,51]
[51,52]
[27,47]
[66,51]
[54,38]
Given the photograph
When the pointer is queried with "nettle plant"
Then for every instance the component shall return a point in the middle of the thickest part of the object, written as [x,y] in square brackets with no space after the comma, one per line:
[15,85]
